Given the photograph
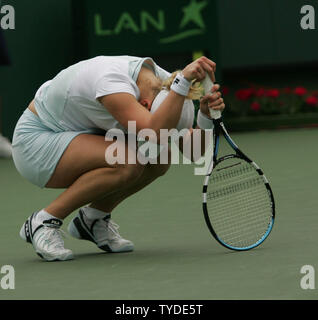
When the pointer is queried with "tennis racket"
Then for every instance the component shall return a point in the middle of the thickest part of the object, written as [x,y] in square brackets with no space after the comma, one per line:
[238,202]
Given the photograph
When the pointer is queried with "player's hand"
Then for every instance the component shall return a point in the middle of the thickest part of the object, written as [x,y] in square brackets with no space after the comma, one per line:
[198,69]
[213,100]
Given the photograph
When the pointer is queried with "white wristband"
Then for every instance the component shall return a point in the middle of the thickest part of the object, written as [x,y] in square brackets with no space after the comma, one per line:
[181,85]
[203,121]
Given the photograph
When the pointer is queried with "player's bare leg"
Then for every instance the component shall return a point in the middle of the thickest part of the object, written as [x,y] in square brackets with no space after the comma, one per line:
[93,223]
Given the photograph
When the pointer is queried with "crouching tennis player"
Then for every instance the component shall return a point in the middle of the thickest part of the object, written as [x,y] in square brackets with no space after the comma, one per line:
[59,142]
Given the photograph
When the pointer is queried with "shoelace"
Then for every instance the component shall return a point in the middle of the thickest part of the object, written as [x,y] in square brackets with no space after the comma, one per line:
[113,227]
[53,238]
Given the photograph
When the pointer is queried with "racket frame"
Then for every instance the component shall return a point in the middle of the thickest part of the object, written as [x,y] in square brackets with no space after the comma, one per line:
[219,128]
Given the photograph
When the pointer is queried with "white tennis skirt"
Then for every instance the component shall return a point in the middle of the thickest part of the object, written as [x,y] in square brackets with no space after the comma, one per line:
[37,149]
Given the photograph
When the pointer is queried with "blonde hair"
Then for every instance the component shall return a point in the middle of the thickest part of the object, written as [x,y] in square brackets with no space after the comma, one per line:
[195,92]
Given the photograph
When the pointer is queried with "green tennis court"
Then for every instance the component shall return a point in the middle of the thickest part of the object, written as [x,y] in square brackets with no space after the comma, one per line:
[176,257]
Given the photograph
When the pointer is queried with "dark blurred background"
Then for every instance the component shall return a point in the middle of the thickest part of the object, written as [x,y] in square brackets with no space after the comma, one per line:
[259,42]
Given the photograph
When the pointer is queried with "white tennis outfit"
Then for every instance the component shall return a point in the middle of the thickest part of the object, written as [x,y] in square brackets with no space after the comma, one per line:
[67,107]
[69,101]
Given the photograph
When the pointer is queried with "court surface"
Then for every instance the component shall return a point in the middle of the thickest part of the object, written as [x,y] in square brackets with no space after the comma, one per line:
[176,257]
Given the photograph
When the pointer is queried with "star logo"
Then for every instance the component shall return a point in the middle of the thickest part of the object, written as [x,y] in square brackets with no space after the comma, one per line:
[192,13]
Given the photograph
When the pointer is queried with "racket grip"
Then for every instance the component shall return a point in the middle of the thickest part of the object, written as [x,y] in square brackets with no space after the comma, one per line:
[208,85]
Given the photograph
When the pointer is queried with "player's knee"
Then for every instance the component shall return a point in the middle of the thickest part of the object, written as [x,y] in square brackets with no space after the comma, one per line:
[129,173]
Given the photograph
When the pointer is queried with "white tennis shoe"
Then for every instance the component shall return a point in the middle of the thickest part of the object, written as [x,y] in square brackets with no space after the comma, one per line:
[46,238]
[103,232]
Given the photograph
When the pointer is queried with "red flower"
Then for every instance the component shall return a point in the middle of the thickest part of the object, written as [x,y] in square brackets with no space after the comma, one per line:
[272,93]
[312,101]
[255,106]
[300,91]
[260,92]
[225,91]
[244,94]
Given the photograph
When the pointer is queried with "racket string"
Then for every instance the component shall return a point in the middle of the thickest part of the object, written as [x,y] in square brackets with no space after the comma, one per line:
[233,188]
[225,221]
[238,204]
[229,226]
[246,202]
[236,172]
[241,220]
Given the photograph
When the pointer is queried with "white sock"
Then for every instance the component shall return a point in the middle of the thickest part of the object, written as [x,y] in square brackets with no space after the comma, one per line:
[93,214]
[44,215]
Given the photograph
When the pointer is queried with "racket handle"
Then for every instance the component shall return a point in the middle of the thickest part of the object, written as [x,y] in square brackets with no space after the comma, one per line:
[208,85]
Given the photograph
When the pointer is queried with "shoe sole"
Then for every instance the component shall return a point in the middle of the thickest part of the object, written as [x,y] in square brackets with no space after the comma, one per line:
[52,259]
[107,248]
